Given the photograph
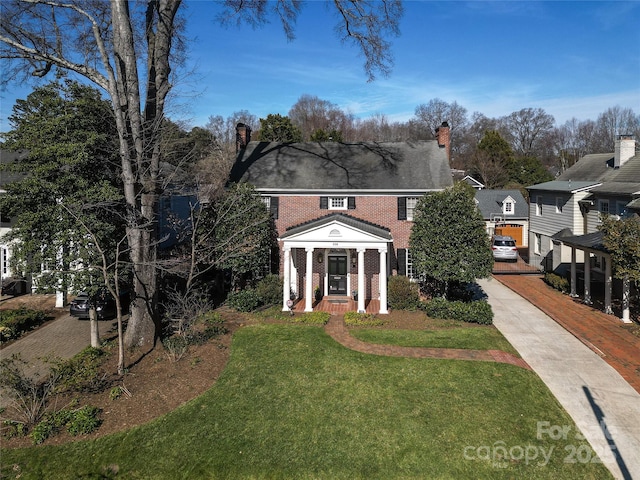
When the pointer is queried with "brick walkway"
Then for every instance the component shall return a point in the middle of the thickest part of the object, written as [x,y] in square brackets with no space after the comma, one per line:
[337,330]
[604,334]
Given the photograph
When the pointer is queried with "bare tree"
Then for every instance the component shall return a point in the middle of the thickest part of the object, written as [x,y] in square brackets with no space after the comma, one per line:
[615,121]
[310,114]
[129,49]
[437,111]
[526,129]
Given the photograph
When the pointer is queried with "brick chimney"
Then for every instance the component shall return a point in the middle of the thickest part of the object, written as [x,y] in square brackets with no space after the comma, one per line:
[625,149]
[443,135]
[243,136]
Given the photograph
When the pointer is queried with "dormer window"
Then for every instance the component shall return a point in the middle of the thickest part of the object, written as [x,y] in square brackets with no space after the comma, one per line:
[508,206]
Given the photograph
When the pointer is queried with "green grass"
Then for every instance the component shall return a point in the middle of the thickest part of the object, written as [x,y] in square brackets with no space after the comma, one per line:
[292,403]
[475,338]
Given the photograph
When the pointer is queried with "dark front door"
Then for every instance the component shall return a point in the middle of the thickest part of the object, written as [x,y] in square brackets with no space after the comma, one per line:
[337,275]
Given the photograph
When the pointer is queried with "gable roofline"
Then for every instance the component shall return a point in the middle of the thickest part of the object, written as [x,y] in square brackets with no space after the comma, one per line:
[348,220]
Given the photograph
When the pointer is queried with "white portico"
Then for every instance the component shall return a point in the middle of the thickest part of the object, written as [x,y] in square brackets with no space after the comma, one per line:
[338,255]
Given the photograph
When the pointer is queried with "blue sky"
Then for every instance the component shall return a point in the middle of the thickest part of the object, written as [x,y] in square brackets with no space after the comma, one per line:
[573,59]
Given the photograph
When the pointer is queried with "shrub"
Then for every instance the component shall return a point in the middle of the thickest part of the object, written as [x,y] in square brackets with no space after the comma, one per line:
[557,282]
[471,312]
[83,420]
[13,323]
[402,293]
[361,319]
[269,290]
[80,372]
[30,395]
[244,300]
[311,318]
[176,347]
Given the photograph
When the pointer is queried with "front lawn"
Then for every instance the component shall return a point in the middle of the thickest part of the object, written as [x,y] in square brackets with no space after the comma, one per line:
[475,338]
[292,403]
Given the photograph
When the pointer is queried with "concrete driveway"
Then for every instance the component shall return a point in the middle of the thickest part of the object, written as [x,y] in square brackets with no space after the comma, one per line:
[603,405]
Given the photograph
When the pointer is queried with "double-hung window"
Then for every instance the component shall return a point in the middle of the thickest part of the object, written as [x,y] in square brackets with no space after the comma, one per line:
[337,203]
[411,206]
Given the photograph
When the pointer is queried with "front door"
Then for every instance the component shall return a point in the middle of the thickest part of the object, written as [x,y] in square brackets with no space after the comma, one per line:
[337,274]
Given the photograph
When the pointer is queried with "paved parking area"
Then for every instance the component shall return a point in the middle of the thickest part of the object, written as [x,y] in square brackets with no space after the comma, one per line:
[61,338]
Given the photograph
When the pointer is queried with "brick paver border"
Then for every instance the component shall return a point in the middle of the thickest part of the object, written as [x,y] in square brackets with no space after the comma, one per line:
[338,331]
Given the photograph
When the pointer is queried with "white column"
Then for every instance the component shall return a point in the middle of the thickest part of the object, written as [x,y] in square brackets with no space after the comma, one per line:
[308,290]
[573,272]
[587,278]
[361,307]
[382,281]
[286,287]
[607,286]
[625,299]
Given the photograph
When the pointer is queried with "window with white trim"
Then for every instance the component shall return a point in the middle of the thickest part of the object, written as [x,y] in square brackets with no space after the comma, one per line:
[266,201]
[603,207]
[539,206]
[507,207]
[411,206]
[337,203]
[559,203]
[537,244]
[410,272]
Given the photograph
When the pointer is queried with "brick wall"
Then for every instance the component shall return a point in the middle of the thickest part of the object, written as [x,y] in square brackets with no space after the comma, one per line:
[379,210]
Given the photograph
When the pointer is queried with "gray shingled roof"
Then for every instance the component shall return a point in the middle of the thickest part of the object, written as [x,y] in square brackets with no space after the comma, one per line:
[490,202]
[594,167]
[420,165]
[348,220]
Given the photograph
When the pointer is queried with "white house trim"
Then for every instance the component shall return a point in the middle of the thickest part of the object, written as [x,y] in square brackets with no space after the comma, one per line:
[336,235]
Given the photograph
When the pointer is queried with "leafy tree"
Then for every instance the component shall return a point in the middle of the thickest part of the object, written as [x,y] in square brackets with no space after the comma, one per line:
[276,128]
[234,232]
[448,240]
[70,135]
[622,240]
[330,136]
[492,159]
[131,49]
[527,171]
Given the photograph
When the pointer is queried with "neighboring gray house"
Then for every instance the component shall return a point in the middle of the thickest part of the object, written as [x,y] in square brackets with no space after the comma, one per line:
[505,212]
[343,211]
[565,213]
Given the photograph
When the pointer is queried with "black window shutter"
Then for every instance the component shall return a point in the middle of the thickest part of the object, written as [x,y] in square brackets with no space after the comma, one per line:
[273,206]
[324,203]
[402,261]
[351,203]
[402,208]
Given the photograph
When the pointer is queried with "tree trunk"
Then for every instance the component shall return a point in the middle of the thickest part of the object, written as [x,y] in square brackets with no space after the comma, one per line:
[93,323]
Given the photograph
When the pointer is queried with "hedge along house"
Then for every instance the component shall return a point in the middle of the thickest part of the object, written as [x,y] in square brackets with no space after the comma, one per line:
[343,211]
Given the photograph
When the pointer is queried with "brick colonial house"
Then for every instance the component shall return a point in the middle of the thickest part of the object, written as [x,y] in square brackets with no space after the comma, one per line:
[343,211]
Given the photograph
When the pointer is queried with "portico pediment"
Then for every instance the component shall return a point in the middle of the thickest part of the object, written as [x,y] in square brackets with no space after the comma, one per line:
[337,231]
